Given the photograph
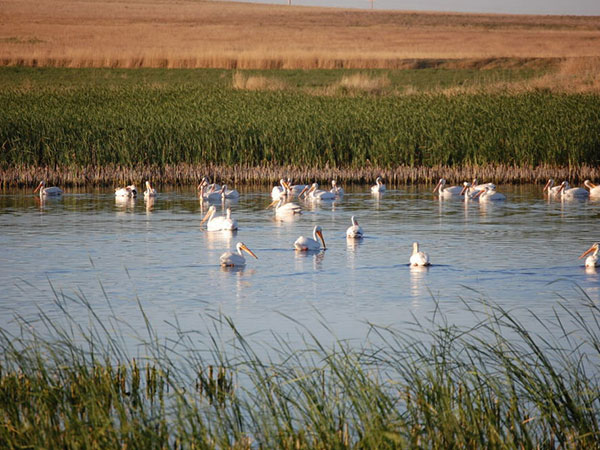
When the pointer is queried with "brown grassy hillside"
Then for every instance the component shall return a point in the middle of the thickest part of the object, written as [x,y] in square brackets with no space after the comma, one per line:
[192,33]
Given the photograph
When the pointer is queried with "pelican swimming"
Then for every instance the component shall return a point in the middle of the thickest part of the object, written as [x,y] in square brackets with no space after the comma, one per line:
[447,192]
[489,194]
[594,189]
[335,189]
[150,191]
[418,258]
[229,193]
[354,231]
[568,192]
[296,188]
[208,193]
[219,223]
[378,187]
[469,191]
[313,192]
[592,260]
[51,191]
[285,208]
[127,191]
[231,259]
[280,191]
[553,191]
[478,187]
[209,186]
[304,243]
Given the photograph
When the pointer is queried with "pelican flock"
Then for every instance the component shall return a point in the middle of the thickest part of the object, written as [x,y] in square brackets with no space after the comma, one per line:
[472,191]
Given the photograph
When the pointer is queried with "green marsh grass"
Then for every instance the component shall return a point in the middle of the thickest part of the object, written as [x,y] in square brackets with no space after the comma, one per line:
[102,118]
[493,384]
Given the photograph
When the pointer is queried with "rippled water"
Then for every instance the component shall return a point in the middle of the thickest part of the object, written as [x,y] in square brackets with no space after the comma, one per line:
[521,254]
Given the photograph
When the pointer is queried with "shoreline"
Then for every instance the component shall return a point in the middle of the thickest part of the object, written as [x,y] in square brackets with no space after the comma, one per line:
[185,174]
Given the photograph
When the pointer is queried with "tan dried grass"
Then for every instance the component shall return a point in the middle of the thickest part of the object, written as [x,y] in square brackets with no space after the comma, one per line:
[364,82]
[238,175]
[192,33]
[247,82]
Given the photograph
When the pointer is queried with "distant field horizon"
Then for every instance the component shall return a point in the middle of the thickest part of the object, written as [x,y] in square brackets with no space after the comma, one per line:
[203,34]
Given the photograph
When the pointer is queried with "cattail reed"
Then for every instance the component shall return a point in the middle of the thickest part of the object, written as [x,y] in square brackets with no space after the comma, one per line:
[239,175]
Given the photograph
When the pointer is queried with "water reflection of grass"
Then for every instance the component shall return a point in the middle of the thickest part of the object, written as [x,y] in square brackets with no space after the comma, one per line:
[492,385]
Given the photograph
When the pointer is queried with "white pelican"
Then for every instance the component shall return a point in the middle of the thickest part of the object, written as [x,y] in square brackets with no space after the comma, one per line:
[285,208]
[478,187]
[568,192]
[594,189]
[489,195]
[127,191]
[281,191]
[447,192]
[209,186]
[314,193]
[229,193]
[304,243]
[51,191]
[219,223]
[378,187]
[231,259]
[552,190]
[335,189]
[296,188]
[469,191]
[418,258]
[592,260]
[354,231]
[150,191]
[208,193]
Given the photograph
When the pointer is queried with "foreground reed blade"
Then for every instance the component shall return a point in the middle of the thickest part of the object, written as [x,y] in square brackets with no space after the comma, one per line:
[434,385]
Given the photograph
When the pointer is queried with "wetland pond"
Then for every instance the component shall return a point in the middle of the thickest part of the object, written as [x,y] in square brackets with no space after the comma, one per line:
[521,254]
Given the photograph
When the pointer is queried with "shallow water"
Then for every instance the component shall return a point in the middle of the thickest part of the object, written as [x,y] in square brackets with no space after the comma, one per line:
[521,254]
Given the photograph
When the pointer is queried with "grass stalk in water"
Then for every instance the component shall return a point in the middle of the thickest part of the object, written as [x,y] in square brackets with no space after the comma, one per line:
[436,385]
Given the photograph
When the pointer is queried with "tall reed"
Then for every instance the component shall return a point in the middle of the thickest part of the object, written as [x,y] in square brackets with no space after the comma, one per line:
[126,124]
[236,175]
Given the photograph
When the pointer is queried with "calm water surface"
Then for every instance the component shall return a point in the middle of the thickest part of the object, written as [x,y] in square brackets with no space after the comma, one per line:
[521,254]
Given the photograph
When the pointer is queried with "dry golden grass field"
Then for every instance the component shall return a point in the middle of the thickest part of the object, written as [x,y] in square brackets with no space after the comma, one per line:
[194,33]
